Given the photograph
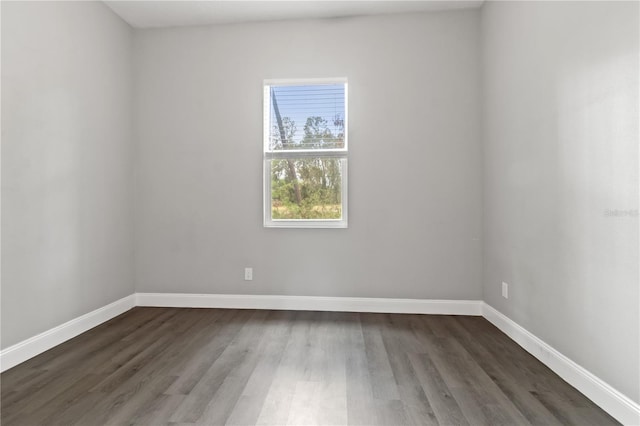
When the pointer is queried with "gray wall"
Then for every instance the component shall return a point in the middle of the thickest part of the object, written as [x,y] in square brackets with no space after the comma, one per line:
[560,128]
[66,163]
[560,149]
[414,167]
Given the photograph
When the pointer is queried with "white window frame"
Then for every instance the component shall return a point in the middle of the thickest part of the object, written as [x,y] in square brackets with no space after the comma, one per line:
[268,155]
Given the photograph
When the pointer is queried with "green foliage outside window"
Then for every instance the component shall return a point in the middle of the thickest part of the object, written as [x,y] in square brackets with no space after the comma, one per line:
[307,187]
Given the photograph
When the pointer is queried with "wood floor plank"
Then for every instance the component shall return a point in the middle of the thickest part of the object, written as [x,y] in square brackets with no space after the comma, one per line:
[527,404]
[37,395]
[291,369]
[250,403]
[529,373]
[206,394]
[383,382]
[159,410]
[445,407]
[55,403]
[69,415]
[400,342]
[332,395]
[161,366]
[251,347]
[222,333]
[473,389]
[100,343]
[123,404]
[361,406]
[19,384]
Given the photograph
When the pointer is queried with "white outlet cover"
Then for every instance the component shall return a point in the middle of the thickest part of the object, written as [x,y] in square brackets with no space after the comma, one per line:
[505,290]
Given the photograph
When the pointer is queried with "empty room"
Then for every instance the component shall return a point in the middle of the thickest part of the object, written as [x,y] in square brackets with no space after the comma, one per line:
[320,213]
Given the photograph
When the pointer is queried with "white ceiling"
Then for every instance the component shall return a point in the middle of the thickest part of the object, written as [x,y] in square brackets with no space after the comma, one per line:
[154,13]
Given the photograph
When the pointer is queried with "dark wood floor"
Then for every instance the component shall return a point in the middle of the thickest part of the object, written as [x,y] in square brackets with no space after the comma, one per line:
[213,366]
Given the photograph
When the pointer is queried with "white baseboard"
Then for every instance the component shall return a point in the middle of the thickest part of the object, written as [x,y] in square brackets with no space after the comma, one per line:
[35,345]
[311,303]
[20,352]
[609,399]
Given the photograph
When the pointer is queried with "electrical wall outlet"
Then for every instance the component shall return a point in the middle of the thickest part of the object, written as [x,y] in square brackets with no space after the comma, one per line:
[248,274]
[505,290]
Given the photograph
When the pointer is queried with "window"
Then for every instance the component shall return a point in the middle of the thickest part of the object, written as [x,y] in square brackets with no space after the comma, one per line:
[305,153]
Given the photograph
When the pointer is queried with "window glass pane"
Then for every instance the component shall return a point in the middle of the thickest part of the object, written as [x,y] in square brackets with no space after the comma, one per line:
[306,188]
[307,117]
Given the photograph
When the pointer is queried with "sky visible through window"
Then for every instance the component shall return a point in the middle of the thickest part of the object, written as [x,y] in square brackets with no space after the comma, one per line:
[303,101]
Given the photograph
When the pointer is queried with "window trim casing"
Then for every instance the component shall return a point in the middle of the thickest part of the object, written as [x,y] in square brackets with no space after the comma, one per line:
[268,155]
